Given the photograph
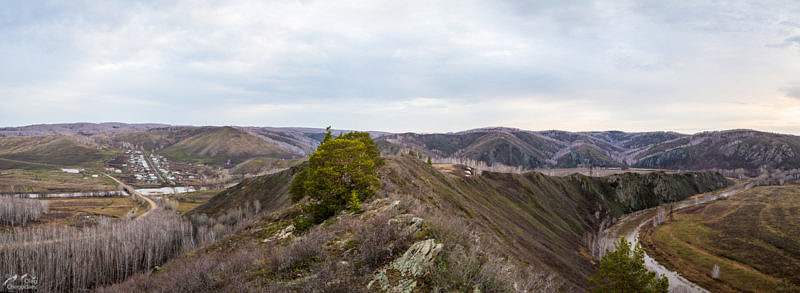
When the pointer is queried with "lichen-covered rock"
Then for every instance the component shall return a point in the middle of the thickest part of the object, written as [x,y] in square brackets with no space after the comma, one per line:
[402,274]
[282,234]
[408,222]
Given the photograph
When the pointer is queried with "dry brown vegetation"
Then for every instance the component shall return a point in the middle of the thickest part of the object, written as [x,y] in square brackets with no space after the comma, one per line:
[341,255]
[67,259]
[76,211]
[50,181]
[745,243]
[501,233]
[20,211]
[189,201]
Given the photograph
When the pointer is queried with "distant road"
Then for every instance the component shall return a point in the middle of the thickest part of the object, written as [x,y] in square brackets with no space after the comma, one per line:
[151,204]
[155,169]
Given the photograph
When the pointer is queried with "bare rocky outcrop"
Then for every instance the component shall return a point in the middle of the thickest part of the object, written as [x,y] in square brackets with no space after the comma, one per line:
[282,234]
[402,274]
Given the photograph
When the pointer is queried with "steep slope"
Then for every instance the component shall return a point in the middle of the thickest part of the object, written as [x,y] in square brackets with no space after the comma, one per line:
[271,191]
[730,149]
[541,220]
[486,229]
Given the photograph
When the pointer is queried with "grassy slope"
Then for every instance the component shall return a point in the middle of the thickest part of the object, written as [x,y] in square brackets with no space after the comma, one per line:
[727,150]
[272,191]
[216,145]
[51,152]
[536,219]
[753,237]
[540,220]
[262,164]
[51,181]
[662,150]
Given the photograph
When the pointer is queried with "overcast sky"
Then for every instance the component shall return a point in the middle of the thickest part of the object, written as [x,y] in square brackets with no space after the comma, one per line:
[424,66]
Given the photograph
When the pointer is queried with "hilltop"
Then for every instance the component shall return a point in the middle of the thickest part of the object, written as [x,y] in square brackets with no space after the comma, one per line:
[731,149]
[51,151]
[538,224]
[77,129]
[747,150]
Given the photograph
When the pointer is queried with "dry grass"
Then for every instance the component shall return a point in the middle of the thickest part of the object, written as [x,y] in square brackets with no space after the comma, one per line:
[51,181]
[189,201]
[74,211]
[752,237]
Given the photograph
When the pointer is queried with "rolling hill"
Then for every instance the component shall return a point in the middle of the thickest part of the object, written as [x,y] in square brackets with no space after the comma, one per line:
[51,151]
[76,129]
[217,145]
[535,221]
[732,149]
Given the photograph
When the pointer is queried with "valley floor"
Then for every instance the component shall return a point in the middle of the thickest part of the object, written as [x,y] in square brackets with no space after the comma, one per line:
[752,237]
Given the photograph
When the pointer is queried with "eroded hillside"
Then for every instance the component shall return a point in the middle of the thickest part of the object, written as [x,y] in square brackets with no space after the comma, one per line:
[730,149]
[512,228]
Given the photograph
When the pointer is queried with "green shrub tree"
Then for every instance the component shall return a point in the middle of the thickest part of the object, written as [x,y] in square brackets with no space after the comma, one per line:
[623,270]
[340,174]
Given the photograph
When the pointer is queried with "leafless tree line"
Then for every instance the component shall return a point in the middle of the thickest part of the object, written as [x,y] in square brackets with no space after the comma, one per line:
[209,229]
[19,211]
[68,259]
[763,175]
[479,165]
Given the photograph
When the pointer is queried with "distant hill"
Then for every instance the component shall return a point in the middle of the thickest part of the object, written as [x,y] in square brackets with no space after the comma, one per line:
[76,129]
[217,145]
[301,141]
[51,151]
[730,149]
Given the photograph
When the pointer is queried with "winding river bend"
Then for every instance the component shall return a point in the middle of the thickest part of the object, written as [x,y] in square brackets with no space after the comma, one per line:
[630,225]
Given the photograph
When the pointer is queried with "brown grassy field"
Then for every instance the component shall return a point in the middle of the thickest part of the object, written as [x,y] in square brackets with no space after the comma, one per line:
[753,237]
[80,210]
[189,201]
[51,181]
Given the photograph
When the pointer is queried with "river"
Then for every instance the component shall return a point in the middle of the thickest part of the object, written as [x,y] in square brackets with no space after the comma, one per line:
[144,191]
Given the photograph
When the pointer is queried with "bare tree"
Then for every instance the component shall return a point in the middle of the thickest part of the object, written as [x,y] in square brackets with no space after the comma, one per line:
[715,272]
[71,259]
[20,211]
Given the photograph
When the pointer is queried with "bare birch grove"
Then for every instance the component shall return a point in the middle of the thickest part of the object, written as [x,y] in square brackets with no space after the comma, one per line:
[20,211]
[68,259]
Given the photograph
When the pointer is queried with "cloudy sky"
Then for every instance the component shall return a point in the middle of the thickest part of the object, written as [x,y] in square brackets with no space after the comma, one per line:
[425,66]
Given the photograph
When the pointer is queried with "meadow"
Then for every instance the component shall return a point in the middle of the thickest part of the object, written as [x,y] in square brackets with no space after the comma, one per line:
[753,238]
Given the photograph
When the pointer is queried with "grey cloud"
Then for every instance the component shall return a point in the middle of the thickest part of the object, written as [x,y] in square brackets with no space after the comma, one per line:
[792,41]
[792,91]
[633,57]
